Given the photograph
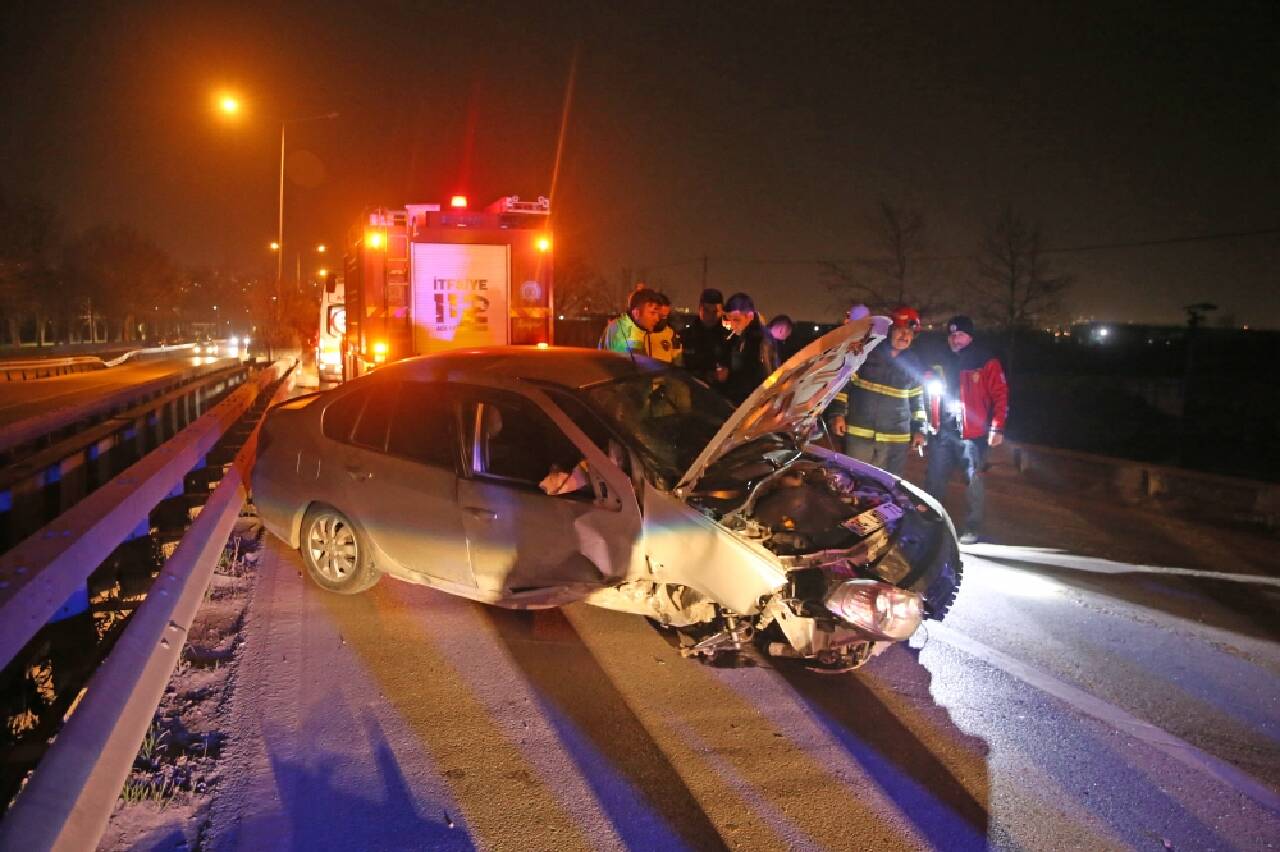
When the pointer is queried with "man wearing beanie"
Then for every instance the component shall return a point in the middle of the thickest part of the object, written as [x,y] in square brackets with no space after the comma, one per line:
[968,403]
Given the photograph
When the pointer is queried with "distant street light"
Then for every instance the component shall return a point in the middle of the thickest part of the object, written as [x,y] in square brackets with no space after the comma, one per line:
[275,246]
[322,248]
[229,104]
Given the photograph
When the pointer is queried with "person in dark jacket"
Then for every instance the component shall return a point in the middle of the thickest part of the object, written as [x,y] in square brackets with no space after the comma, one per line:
[706,340]
[880,412]
[968,403]
[752,354]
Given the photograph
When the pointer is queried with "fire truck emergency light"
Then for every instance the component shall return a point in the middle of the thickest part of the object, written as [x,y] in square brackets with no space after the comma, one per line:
[459,201]
[543,244]
[374,239]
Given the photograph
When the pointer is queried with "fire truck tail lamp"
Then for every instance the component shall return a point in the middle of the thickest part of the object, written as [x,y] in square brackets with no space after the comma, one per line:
[379,352]
[458,202]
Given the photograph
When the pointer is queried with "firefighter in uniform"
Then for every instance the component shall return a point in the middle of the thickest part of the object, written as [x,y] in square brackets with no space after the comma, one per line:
[881,413]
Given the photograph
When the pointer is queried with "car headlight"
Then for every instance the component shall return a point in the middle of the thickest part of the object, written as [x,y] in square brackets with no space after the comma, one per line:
[879,609]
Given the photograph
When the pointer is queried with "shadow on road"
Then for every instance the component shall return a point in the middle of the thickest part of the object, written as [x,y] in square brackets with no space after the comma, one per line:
[648,802]
[322,814]
[898,745]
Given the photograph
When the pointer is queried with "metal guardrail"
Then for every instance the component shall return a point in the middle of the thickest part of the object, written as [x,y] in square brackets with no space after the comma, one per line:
[69,798]
[28,369]
[45,482]
[32,429]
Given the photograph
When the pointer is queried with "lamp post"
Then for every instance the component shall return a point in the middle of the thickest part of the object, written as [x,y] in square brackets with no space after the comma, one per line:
[284,123]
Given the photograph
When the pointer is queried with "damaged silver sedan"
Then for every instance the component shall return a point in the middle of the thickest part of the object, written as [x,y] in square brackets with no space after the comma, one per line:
[530,478]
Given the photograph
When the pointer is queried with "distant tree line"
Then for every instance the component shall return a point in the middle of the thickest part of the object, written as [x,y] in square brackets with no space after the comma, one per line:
[1006,282]
[113,284]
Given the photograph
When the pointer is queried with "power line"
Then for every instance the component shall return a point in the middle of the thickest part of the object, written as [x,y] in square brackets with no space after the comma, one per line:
[1196,238]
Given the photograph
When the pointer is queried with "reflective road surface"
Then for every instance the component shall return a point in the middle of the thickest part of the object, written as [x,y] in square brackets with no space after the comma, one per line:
[1107,679]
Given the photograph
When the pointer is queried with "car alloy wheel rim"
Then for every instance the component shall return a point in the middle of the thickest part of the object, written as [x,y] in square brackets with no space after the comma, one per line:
[332,546]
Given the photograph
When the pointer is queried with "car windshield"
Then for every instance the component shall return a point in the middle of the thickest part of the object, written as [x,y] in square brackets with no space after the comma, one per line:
[668,417]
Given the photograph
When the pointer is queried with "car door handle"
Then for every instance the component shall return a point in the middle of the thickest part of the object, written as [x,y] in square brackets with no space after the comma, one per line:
[358,475]
[482,513]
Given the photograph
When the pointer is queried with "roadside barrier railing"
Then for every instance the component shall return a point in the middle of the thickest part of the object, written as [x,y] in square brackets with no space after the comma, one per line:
[27,369]
[68,799]
[44,482]
[32,429]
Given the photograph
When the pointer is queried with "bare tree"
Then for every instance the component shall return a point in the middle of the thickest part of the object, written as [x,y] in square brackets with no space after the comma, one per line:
[896,272]
[1014,288]
[28,231]
[120,275]
[581,289]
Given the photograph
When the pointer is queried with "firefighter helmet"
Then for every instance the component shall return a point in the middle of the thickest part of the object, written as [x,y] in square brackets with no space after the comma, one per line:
[905,317]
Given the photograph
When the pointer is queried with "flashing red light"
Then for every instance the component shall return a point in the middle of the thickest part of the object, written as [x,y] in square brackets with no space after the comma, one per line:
[458,201]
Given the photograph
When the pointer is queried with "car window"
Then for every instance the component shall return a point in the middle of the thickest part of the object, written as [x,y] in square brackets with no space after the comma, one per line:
[371,428]
[424,427]
[341,415]
[593,427]
[516,441]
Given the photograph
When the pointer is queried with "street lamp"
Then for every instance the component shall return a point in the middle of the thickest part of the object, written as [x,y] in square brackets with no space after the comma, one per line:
[284,123]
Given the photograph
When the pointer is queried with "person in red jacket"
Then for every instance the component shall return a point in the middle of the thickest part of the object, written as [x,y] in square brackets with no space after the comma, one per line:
[968,403]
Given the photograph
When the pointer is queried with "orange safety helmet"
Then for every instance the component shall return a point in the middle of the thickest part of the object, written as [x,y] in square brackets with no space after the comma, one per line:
[905,317]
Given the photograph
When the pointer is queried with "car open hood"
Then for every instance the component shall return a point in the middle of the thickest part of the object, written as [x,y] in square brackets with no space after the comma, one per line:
[795,395]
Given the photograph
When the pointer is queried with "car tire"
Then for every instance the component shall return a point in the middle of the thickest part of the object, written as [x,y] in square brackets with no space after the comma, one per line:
[336,552]
[942,592]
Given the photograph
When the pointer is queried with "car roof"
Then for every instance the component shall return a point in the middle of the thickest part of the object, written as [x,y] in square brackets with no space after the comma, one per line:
[565,366]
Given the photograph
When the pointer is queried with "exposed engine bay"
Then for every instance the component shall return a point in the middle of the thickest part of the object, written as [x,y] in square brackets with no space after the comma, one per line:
[863,557]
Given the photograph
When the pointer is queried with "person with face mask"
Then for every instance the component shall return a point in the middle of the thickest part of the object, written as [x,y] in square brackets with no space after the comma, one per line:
[880,413]
[752,354]
[968,403]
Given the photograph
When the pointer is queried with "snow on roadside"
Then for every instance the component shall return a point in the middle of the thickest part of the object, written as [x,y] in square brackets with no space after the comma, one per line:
[165,802]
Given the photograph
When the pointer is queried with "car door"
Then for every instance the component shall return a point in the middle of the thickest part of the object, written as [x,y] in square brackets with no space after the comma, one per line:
[523,539]
[401,472]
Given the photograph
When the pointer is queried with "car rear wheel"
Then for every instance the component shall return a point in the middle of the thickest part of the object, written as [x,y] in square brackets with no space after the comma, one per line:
[336,552]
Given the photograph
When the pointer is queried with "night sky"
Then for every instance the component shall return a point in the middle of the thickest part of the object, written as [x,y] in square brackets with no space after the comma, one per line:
[761,135]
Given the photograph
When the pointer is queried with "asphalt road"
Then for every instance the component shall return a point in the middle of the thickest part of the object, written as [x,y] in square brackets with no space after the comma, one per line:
[21,400]
[1107,679]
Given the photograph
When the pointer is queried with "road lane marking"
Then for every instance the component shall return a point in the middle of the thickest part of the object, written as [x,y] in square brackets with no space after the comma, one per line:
[1063,559]
[1108,713]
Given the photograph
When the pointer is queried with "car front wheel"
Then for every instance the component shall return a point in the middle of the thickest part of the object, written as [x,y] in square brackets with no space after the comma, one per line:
[336,552]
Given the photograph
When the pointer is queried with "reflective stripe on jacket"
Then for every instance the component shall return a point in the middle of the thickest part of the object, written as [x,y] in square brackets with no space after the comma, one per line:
[885,400]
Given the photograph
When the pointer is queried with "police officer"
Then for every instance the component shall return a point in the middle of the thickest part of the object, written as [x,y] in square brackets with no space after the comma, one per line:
[881,413]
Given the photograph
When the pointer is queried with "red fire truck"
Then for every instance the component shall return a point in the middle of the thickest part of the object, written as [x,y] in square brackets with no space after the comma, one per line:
[429,277]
